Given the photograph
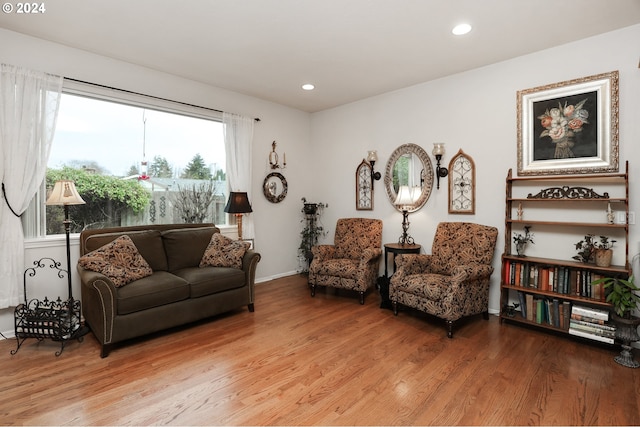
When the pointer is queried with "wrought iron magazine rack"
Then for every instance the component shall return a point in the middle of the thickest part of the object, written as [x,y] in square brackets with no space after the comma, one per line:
[58,320]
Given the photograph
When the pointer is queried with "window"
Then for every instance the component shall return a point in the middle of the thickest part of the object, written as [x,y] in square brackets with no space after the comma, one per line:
[135,160]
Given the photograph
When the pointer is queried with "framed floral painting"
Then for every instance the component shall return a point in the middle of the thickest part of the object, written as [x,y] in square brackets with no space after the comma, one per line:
[570,127]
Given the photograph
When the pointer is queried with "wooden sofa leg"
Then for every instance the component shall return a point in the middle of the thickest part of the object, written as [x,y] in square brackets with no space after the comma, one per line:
[395,308]
[450,328]
[104,352]
[361,298]
[313,290]
[485,315]
[251,307]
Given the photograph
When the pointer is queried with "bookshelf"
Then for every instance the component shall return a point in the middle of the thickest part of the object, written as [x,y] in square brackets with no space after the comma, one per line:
[569,206]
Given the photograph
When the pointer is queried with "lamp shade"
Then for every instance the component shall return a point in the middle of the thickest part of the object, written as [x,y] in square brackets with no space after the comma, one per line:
[406,197]
[238,203]
[64,193]
[438,148]
[372,156]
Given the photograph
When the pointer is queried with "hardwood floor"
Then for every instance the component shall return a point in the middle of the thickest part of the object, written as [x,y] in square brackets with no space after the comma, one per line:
[326,360]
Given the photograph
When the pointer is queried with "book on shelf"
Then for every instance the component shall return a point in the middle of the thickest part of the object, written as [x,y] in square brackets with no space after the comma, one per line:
[594,313]
[583,324]
[591,336]
[530,307]
[523,304]
[558,279]
[566,315]
[580,317]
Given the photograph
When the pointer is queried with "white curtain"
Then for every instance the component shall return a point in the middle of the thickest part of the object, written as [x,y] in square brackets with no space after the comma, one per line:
[238,141]
[29,102]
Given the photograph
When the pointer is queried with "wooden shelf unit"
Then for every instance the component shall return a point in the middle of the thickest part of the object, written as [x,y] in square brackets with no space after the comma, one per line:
[587,199]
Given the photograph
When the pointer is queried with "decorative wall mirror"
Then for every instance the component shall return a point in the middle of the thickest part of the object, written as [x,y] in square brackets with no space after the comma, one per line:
[409,165]
[275,187]
[462,184]
[364,187]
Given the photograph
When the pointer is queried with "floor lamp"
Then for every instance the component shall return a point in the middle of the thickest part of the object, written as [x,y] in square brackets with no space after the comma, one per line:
[64,193]
[238,204]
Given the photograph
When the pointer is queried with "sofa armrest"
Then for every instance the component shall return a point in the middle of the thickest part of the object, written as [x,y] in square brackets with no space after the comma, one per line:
[369,255]
[99,305]
[323,252]
[470,272]
[249,265]
[407,264]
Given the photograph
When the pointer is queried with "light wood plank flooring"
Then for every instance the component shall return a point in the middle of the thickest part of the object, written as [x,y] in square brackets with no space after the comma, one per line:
[321,361]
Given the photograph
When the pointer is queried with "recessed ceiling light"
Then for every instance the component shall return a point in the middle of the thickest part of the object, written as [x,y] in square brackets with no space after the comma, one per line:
[308,86]
[461,29]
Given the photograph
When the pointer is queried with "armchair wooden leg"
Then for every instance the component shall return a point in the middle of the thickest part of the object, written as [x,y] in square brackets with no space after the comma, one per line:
[485,315]
[395,308]
[313,291]
[450,328]
[361,298]
[251,307]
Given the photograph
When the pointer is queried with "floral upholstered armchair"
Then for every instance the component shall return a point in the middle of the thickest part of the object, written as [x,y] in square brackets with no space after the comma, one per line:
[352,262]
[452,282]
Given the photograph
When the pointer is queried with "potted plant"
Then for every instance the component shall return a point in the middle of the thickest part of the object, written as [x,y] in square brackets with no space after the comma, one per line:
[621,293]
[310,233]
[589,249]
[521,240]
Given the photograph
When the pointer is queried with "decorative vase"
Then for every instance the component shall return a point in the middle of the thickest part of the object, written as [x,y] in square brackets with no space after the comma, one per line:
[603,257]
[520,248]
[626,332]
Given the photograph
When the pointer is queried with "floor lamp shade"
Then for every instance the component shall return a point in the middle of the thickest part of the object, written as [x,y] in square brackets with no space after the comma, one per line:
[64,193]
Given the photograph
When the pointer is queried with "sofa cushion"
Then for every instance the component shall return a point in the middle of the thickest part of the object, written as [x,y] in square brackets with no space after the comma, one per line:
[119,260]
[211,280]
[185,247]
[224,252]
[152,291]
[148,242]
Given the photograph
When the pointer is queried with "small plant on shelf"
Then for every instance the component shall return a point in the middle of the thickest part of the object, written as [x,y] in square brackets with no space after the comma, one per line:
[587,247]
[521,240]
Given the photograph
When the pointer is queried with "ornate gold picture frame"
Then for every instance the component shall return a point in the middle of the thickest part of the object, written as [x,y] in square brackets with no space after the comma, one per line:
[569,127]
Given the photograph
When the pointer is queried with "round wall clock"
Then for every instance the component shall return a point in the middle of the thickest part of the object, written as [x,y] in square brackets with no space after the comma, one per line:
[462,185]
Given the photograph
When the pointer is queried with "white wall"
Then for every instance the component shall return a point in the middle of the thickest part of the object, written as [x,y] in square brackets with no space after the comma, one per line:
[277,225]
[474,111]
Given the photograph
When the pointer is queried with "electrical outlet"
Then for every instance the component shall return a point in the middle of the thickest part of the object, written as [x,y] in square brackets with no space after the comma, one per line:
[621,218]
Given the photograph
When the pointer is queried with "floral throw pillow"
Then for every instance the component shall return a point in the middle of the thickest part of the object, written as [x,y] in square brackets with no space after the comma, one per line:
[119,260]
[224,252]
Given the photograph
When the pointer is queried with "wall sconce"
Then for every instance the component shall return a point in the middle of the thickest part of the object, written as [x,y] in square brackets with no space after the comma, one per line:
[273,158]
[441,172]
[372,158]
[406,200]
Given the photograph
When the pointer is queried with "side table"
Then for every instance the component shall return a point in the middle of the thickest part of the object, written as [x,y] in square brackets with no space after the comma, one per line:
[394,249]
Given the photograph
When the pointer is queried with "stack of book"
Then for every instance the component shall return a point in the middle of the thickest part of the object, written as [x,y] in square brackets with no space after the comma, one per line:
[591,323]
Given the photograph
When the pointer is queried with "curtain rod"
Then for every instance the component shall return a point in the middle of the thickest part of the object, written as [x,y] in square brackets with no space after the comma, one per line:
[257,119]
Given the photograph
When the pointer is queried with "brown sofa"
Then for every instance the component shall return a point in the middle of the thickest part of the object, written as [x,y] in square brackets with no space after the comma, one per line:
[177,292]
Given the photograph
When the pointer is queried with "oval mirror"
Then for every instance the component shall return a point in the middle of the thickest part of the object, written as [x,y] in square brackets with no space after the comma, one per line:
[409,165]
[275,187]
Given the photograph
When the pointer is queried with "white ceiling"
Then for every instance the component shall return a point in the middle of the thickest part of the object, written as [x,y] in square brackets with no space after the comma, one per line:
[350,49]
